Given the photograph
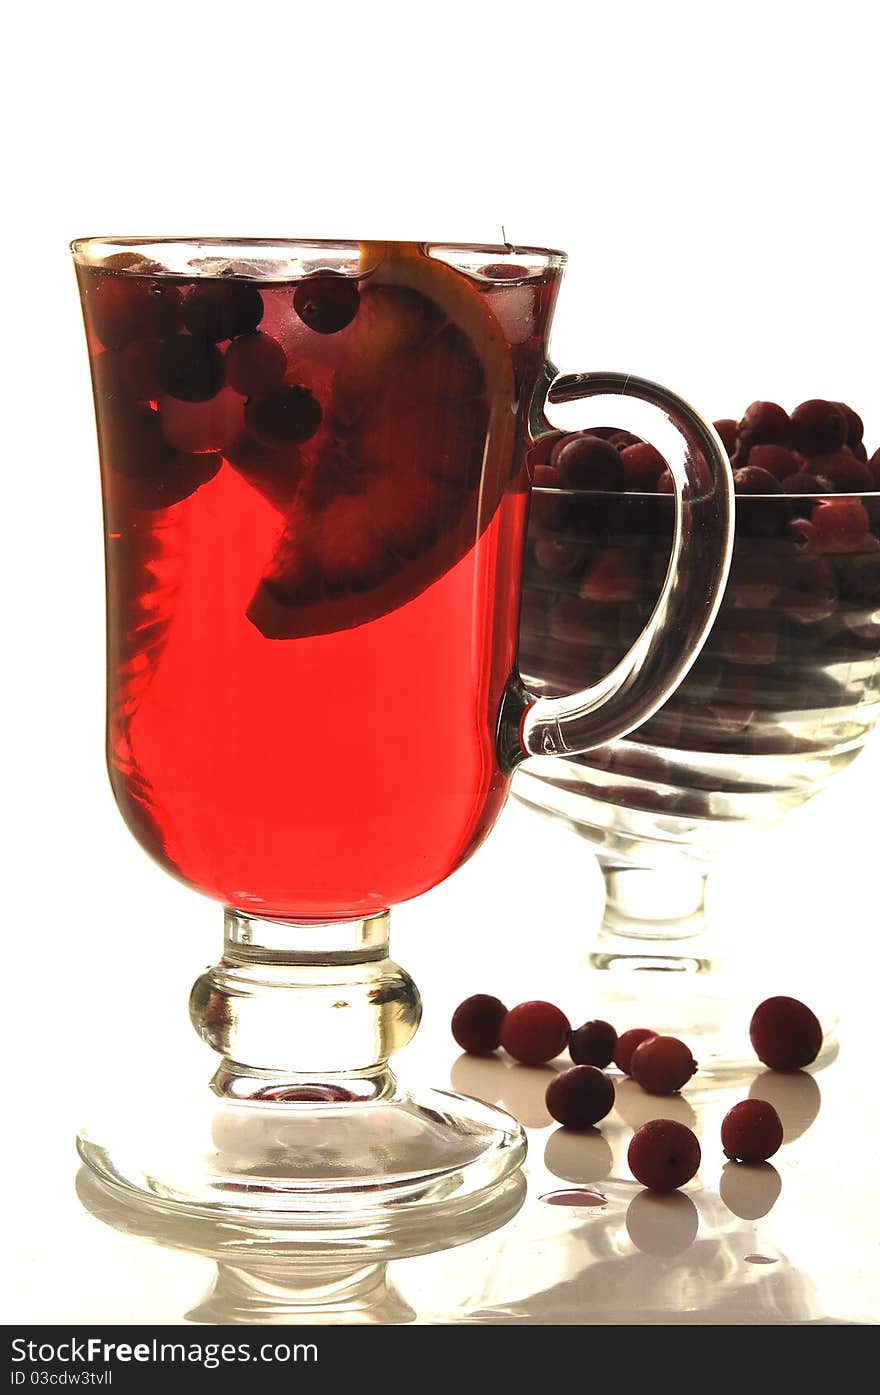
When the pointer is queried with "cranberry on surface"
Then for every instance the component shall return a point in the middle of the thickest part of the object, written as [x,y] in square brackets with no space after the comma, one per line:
[751,1132]
[662,1065]
[785,1034]
[535,1032]
[663,1155]
[626,1045]
[593,1044]
[476,1024]
[580,1097]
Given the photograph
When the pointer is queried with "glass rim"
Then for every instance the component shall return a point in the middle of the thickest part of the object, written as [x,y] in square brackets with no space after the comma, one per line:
[80,247]
[559,493]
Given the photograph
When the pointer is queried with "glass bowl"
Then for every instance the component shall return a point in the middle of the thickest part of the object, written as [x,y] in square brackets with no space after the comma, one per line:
[782,697]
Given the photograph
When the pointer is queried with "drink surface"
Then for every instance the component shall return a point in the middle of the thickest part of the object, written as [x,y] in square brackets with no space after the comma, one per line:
[315,503]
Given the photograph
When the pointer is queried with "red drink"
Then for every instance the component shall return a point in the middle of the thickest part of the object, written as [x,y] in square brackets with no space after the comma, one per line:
[315,502]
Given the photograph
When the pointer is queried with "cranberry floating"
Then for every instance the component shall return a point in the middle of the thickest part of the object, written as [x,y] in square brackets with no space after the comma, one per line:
[327,303]
[535,1032]
[593,1044]
[190,369]
[751,1132]
[286,416]
[580,1097]
[626,1045]
[255,363]
[222,309]
[785,1034]
[124,308]
[663,1155]
[661,1065]
[476,1024]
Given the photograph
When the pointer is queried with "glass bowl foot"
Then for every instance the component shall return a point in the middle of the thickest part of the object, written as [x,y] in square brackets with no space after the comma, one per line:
[657,962]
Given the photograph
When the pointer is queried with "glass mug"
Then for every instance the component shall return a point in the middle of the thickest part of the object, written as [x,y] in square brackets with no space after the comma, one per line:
[316,463]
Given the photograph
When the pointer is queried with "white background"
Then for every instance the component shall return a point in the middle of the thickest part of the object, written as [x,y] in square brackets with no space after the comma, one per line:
[711,170]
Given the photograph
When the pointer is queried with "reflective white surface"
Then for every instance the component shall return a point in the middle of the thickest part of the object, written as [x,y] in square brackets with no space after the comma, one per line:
[795,1241]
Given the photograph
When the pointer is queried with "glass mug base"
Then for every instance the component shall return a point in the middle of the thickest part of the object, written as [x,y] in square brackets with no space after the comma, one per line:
[353,1168]
[304,1124]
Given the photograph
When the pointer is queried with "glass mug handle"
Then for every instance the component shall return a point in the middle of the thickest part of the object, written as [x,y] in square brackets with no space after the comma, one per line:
[695,578]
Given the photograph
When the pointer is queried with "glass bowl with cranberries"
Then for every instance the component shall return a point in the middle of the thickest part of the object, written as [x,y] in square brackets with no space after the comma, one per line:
[783,695]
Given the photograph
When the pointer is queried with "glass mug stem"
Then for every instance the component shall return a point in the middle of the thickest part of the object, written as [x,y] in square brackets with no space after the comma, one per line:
[305,1011]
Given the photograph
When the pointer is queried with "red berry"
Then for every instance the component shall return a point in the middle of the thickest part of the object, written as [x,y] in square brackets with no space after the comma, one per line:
[546,477]
[785,1034]
[222,309]
[850,476]
[753,480]
[614,576]
[123,308]
[661,1065]
[621,440]
[558,557]
[839,525]
[805,482]
[811,593]
[800,532]
[190,369]
[642,466]
[327,303]
[818,427]
[540,450]
[727,429]
[855,427]
[286,416]
[874,467]
[776,460]
[663,1155]
[535,1032]
[626,1045]
[548,511]
[587,462]
[255,363]
[593,1044]
[751,1132]
[139,368]
[764,424]
[476,1024]
[580,1097]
